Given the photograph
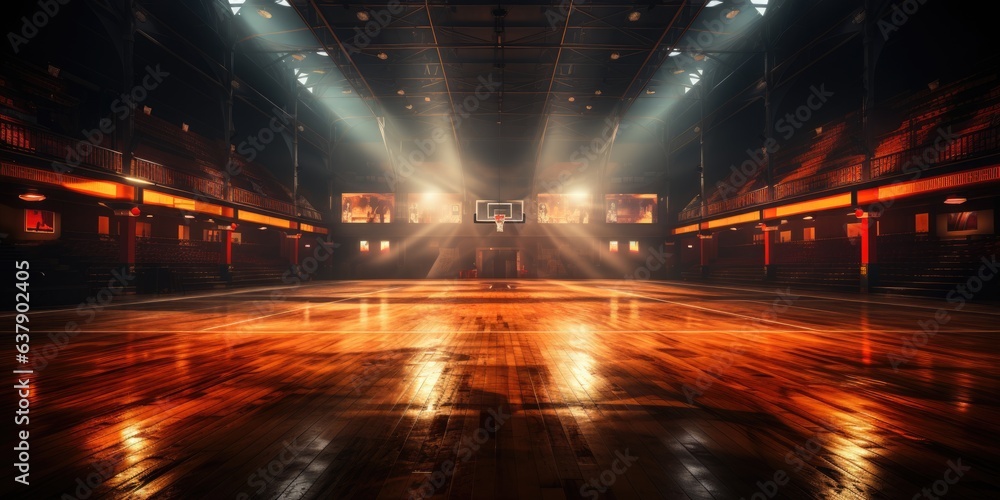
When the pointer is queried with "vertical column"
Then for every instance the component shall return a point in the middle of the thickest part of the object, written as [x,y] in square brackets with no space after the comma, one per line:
[869,252]
[126,240]
[292,242]
[768,240]
[704,242]
[226,256]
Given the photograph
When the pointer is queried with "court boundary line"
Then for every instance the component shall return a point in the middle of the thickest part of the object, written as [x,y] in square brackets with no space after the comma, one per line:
[701,308]
[298,309]
[841,299]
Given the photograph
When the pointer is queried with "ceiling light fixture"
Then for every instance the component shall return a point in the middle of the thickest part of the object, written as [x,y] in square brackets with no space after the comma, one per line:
[263,13]
[262,228]
[363,16]
[188,216]
[400,92]
[136,180]
[589,107]
[427,99]
[760,5]
[32,195]
[954,200]
[571,99]
[382,55]
[634,16]
[409,106]
[808,217]
[615,56]
[598,92]
[732,14]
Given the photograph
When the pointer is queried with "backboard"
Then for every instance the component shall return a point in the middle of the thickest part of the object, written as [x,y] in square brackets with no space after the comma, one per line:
[487,210]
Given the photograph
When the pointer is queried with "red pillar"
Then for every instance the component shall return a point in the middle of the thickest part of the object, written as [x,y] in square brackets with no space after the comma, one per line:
[704,240]
[226,256]
[293,250]
[869,251]
[767,247]
[126,240]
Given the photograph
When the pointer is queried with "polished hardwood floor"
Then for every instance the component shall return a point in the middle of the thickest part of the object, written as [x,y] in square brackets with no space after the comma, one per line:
[518,389]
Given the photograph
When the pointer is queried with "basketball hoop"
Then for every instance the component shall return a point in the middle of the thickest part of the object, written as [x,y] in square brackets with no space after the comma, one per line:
[499,220]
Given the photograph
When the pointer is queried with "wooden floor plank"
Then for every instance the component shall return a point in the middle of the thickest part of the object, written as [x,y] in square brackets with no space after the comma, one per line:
[381,384]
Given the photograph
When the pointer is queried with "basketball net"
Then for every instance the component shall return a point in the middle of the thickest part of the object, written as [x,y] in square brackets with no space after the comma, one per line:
[499,220]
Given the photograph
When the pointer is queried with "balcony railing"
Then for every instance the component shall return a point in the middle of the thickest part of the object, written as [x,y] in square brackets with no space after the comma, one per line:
[919,159]
[749,199]
[159,174]
[36,141]
[250,198]
[30,139]
[829,180]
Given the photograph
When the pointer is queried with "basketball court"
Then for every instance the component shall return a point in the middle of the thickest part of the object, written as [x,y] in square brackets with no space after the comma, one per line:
[517,389]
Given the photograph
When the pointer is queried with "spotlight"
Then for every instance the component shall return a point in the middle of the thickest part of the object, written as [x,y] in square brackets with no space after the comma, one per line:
[363,16]
[136,180]
[589,107]
[808,217]
[262,228]
[954,200]
[184,127]
[298,57]
[188,216]
[400,92]
[634,16]
[32,195]
[650,91]
[732,14]
[382,55]
[934,85]
[149,216]
[615,56]
[54,71]
[427,99]
[598,92]
[146,110]
[409,106]
[263,13]
[571,99]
